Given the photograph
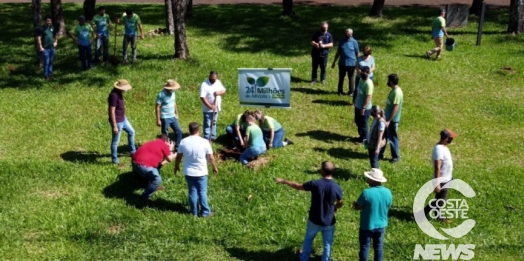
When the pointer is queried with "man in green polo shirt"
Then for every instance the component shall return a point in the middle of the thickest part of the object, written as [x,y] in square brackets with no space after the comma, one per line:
[132,24]
[392,115]
[47,41]
[101,22]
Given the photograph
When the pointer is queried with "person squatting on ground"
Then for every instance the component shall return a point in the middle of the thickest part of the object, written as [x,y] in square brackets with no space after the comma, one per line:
[321,41]
[373,203]
[377,137]
[101,22]
[83,37]
[132,24]
[348,51]
[237,130]
[272,131]
[118,119]
[392,113]
[211,92]
[364,60]
[442,171]
[147,161]
[166,111]
[326,199]
[254,141]
[196,153]
[47,41]
[438,31]
[363,104]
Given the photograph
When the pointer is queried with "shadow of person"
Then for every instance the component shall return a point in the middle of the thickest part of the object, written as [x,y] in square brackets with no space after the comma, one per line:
[340,173]
[342,153]
[401,213]
[322,135]
[93,156]
[332,103]
[287,253]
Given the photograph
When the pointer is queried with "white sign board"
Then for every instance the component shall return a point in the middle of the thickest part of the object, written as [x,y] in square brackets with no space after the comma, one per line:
[261,87]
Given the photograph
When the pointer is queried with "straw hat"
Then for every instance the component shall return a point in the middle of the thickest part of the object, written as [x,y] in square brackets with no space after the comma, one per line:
[171,85]
[375,175]
[123,85]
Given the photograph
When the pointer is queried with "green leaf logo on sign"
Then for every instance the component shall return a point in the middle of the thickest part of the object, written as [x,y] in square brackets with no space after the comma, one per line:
[259,82]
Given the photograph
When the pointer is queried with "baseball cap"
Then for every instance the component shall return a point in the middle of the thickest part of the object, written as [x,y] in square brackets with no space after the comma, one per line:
[447,133]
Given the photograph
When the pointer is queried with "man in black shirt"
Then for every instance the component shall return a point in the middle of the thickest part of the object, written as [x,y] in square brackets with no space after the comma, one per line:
[321,42]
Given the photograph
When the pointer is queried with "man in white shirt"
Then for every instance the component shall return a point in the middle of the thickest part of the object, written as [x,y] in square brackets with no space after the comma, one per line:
[196,151]
[443,172]
[211,91]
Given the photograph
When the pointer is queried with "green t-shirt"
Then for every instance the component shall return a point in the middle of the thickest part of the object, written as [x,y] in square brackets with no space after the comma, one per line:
[375,203]
[436,27]
[131,24]
[270,123]
[256,139]
[395,97]
[365,88]
[238,122]
[83,34]
[47,35]
[101,23]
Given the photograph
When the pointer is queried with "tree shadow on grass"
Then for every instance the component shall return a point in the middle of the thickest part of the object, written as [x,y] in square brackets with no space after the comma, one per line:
[332,103]
[126,185]
[401,213]
[312,91]
[325,136]
[342,153]
[288,253]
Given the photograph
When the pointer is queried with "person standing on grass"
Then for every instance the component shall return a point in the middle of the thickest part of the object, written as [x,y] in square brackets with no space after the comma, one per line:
[47,41]
[364,60]
[348,52]
[393,112]
[166,111]
[438,31]
[442,171]
[377,136]
[237,130]
[363,103]
[195,150]
[272,130]
[101,22]
[321,41]
[254,141]
[118,119]
[326,199]
[132,24]
[373,203]
[211,92]
[148,160]
[83,37]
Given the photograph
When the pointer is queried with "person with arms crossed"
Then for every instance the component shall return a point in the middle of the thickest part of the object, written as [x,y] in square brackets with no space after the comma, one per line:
[211,92]
[321,41]
[47,41]
[118,119]
[166,111]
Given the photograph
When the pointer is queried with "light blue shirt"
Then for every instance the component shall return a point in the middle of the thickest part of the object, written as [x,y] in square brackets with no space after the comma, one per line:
[348,51]
[167,104]
[375,203]
[369,63]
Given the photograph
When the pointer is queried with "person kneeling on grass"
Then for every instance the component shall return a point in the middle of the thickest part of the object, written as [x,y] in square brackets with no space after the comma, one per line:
[254,141]
[237,130]
[148,160]
[272,130]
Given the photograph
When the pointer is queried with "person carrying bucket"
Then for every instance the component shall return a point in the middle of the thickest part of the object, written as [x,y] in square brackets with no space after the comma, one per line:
[438,31]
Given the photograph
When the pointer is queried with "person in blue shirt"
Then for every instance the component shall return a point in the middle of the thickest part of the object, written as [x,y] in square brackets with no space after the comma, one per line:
[101,22]
[166,111]
[374,204]
[348,52]
[321,42]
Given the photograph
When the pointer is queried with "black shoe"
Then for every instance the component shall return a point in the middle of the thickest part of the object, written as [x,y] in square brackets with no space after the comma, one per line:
[289,142]
[394,160]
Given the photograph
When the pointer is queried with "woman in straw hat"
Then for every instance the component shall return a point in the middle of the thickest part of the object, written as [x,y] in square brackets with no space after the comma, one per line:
[118,119]
[166,111]
[376,137]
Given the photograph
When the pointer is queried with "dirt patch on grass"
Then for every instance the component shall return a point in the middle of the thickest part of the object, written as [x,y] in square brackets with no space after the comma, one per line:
[226,154]
[50,194]
[115,229]
[260,162]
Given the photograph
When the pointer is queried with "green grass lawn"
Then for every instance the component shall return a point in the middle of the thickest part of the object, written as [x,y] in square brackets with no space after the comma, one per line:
[61,199]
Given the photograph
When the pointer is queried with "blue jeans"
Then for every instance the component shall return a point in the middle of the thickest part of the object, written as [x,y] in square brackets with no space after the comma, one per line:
[85,56]
[126,126]
[207,125]
[232,133]
[317,61]
[362,123]
[49,56]
[373,158]
[327,239]
[175,126]
[357,82]
[277,138]
[152,175]
[365,236]
[392,137]
[197,193]
[250,153]
[105,44]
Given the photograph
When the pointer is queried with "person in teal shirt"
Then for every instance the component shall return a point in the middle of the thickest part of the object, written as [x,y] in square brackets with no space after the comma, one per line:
[363,103]
[374,204]
[272,130]
[101,22]
[254,141]
[83,37]
[132,24]
[392,114]
[438,30]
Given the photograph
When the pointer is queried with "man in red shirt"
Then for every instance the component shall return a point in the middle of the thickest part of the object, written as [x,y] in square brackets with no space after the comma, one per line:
[148,160]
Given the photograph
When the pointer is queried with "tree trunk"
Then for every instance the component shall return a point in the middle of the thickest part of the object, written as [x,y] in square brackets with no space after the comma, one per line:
[89,9]
[179,9]
[37,23]
[476,7]
[58,16]
[170,22]
[189,12]
[376,9]
[288,8]
[516,16]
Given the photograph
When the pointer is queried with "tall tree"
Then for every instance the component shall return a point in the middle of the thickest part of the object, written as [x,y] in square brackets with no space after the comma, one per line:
[37,23]
[58,16]
[376,9]
[189,12]
[288,8]
[476,7]
[516,16]
[180,9]
[89,9]
[170,22]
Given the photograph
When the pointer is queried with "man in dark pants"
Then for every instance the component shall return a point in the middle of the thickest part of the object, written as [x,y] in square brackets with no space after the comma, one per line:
[321,42]
[363,104]
[442,174]
[101,22]
[83,36]
[348,52]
